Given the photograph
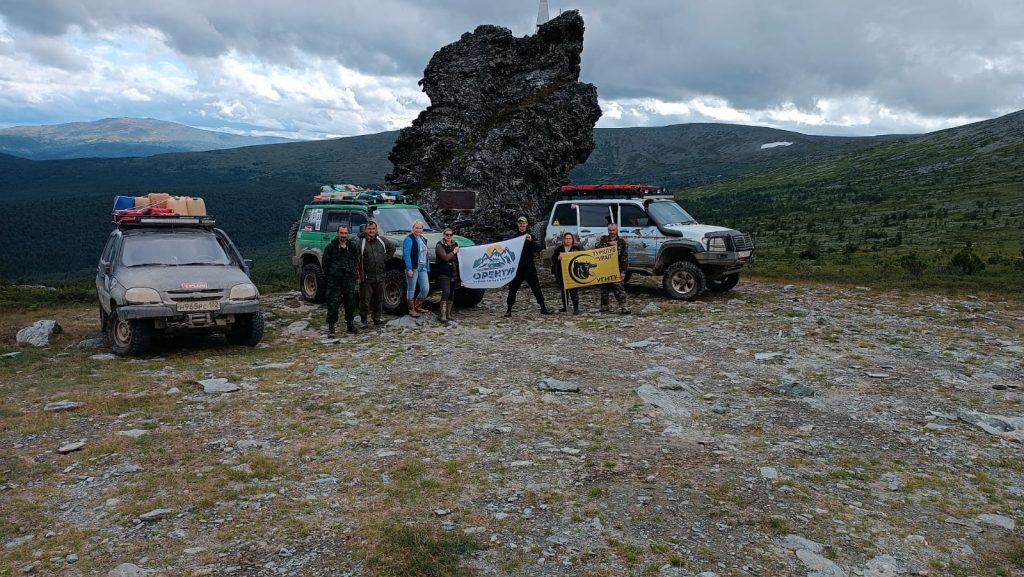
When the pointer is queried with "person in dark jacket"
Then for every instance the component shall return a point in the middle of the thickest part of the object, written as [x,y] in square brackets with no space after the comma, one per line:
[568,245]
[374,250]
[610,239]
[447,253]
[339,264]
[527,270]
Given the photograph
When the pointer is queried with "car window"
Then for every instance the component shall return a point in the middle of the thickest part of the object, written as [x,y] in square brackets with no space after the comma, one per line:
[312,219]
[108,251]
[565,214]
[632,215]
[336,218]
[401,219]
[358,220]
[173,250]
[595,215]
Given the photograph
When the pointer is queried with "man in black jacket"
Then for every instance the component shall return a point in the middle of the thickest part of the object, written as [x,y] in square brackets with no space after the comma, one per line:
[527,271]
[339,264]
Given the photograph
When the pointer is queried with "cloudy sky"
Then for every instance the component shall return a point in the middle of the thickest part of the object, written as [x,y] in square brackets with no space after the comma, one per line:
[315,69]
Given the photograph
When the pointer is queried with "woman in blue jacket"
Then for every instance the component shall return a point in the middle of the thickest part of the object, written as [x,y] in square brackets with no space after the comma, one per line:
[417,267]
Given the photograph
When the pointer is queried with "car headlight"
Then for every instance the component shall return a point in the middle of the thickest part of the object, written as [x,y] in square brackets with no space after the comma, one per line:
[717,244]
[142,296]
[241,292]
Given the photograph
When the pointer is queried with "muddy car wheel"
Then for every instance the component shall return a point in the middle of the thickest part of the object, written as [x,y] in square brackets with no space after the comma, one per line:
[247,330]
[313,284]
[394,292]
[683,280]
[467,298]
[724,284]
[129,337]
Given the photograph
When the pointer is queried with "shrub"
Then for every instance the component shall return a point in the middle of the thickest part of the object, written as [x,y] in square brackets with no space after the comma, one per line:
[966,263]
[912,265]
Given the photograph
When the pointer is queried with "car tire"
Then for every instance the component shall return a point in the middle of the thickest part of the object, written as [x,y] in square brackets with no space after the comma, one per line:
[293,234]
[129,337]
[467,298]
[683,280]
[394,292]
[247,330]
[724,284]
[313,283]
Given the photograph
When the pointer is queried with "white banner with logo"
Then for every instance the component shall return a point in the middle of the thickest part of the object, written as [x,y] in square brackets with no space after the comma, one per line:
[490,265]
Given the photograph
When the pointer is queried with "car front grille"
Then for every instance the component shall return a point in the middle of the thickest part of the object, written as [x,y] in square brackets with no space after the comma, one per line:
[195,295]
[742,241]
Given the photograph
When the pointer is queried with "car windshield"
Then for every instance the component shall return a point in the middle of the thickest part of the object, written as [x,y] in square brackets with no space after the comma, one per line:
[401,219]
[666,212]
[173,250]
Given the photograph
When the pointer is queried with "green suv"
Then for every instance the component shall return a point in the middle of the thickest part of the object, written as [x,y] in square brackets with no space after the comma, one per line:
[319,225]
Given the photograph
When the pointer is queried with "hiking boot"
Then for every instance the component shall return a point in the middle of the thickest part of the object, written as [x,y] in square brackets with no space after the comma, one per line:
[351,328]
[575,310]
[377,322]
[623,311]
[545,310]
[604,308]
[330,330]
[508,313]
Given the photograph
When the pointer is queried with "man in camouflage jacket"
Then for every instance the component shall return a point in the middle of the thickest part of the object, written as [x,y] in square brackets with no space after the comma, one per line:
[613,238]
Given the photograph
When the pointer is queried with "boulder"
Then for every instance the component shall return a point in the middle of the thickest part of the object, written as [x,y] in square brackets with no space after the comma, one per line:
[508,118]
[39,334]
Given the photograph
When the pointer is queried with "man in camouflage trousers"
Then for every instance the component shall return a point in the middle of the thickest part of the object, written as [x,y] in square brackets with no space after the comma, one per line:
[339,262]
[613,238]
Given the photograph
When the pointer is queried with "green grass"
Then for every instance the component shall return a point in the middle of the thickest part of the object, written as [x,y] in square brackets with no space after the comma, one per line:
[417,550]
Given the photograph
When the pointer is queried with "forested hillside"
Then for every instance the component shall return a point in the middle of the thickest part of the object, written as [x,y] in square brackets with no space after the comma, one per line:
[946,208]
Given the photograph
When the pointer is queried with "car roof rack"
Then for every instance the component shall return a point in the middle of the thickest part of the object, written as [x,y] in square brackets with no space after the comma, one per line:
[135,219]
[598,191]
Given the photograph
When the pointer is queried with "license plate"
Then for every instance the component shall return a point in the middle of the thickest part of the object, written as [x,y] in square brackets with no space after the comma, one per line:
[743,254]
[191,307]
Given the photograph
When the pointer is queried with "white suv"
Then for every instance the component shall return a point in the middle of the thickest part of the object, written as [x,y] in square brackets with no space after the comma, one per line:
[662,238]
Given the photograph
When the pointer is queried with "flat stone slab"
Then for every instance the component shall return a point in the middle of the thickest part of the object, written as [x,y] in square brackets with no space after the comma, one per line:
[644,344]
[103,357]
[71,447]
[767,356]
[274,366]
[64,405]
[155,515]
[11,355]
[998,521]
[297,327]
[670,402]
[558,386]
[818,565]
[1009,428]
[795,390]
[219,385]
[133,433]
[130,570]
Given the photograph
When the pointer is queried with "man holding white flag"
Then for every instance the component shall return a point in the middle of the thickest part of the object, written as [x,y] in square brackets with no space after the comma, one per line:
[501,263]
[527,270]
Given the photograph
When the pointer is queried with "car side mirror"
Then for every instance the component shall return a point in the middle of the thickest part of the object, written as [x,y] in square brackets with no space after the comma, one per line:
[248,263]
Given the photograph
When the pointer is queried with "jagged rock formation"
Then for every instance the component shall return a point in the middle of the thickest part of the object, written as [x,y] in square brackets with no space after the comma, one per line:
[508,118]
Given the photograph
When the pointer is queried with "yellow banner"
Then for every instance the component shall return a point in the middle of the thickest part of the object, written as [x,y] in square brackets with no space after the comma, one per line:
[590,267]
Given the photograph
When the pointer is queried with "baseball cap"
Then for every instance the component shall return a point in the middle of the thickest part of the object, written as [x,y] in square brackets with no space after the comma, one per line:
[522,219]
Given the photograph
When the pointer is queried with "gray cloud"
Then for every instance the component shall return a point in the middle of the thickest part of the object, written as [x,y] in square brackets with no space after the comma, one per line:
[918,63]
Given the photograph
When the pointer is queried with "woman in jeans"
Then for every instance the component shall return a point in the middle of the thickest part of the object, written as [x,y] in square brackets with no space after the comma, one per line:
[447,251]
[417,265]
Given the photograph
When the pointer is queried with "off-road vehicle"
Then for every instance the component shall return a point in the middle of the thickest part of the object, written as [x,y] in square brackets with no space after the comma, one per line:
[662,238]
[394,216]
[169,273]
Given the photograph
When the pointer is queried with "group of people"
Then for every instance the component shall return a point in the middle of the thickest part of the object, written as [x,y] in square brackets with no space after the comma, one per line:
[361,264]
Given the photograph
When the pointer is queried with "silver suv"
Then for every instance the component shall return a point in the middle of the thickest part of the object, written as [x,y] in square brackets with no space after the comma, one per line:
[169,274]
[662,238]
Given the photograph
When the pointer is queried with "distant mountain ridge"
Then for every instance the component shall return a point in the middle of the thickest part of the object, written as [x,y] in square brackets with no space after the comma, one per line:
[258,191]
[117,137]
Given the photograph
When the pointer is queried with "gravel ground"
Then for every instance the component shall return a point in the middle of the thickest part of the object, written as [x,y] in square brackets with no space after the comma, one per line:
[772,430]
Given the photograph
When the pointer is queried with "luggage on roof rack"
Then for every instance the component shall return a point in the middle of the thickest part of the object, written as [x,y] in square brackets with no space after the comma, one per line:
[584,191]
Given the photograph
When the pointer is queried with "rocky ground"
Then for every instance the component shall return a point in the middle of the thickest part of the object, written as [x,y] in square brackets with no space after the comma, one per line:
[774,430]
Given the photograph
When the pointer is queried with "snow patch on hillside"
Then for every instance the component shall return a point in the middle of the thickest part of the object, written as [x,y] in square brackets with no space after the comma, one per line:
[774,144]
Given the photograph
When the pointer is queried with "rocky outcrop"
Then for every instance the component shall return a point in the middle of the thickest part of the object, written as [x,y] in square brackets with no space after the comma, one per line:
[508,118]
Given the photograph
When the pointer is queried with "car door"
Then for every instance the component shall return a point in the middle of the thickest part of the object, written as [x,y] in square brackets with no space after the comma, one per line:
[310,233]
[564,218]
[639,233]
[594,218]
[104,271]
